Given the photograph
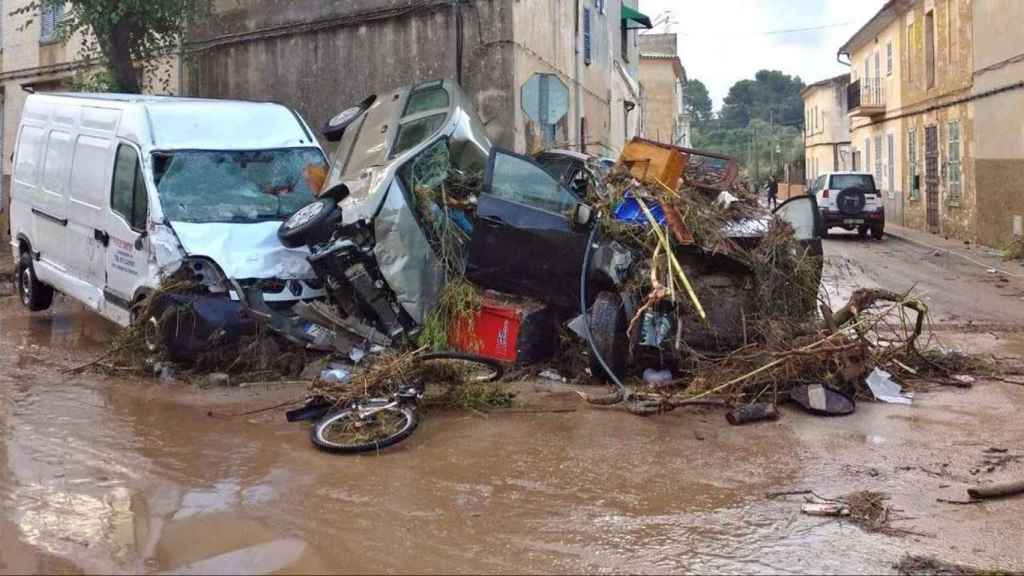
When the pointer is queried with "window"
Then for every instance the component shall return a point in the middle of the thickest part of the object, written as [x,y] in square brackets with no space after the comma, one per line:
[954,190]
[625,43]
[519,180]
[412,134]
[586,37]
[912,163]
[908,56]
[929,48]
[888,59]
[51,14]
[128,196]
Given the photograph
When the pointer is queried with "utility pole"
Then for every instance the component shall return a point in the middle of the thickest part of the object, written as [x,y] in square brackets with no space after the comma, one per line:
[757,161]
[771,137]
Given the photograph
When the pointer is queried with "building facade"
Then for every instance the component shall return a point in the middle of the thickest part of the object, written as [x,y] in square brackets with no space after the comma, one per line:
[938,89]
[664,81]
[542,73]
[998,119]
[826,127]
[874,103]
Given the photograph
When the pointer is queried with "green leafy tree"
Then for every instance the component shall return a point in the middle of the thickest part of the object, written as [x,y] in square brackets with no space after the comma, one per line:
[698,102]
[771,95]
[124,35]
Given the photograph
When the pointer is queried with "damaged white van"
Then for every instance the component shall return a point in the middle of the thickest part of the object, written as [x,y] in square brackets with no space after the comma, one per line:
[113,193]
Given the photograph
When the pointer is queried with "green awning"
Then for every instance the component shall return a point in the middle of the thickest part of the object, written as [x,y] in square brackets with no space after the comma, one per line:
[629,15]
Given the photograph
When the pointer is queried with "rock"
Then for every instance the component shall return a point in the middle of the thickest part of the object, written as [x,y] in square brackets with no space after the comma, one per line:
[218,379]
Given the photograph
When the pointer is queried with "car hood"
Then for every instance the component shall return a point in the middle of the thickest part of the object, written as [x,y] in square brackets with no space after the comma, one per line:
[244,251]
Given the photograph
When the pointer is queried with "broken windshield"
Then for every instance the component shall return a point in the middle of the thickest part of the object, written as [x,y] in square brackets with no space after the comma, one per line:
[235,186]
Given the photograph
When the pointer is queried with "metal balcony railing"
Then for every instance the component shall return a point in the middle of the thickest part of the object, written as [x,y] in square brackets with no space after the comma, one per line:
[866,93]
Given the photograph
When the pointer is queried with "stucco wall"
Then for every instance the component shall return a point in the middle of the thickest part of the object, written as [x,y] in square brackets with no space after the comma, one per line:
[320,57]
[661,108]
[998,119]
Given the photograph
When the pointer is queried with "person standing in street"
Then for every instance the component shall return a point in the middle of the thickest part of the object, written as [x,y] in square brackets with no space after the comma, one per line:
[773,192]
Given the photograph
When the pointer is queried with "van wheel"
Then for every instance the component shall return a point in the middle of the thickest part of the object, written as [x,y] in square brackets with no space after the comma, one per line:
[35,295]
[608,326]
[147,318]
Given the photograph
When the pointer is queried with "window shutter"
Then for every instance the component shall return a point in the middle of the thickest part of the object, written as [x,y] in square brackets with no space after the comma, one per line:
[586,37]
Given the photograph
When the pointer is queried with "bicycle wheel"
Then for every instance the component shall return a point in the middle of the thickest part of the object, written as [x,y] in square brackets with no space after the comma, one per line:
[344,432]
[463,367]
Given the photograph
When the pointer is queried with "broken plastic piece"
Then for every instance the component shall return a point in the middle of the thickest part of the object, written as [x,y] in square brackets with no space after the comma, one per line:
[553,376]
[822,400]
[885,389]
[652,376]
[335,376]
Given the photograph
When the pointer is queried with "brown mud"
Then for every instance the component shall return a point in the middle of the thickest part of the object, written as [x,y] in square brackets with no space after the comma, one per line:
[106,474]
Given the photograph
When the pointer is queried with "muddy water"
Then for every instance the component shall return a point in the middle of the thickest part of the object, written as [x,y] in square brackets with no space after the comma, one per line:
[108,475]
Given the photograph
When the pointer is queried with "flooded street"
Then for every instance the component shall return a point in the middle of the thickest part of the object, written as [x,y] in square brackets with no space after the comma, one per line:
[102,474]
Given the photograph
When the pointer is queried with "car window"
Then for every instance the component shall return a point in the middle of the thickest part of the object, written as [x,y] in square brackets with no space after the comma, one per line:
[413,133]
[426,98]
[519,180]
[128,194]
[847,181]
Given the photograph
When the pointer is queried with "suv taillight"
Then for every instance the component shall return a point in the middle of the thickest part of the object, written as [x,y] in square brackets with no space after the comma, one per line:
[824,193]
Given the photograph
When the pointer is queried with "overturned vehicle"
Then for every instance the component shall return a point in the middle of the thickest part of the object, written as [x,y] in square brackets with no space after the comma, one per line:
[417,198]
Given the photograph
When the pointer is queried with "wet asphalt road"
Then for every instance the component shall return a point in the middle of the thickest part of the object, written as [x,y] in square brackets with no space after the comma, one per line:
[101,474]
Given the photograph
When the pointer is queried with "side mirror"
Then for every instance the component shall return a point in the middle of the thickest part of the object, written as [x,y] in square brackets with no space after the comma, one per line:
[801,212]
[338,193]
[140,242]
[582,215]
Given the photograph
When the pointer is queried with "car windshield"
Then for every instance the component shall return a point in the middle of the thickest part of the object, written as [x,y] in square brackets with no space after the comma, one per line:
[847,181]
[236,186]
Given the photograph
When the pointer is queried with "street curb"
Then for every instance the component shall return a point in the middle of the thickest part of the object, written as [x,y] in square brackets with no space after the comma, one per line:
[1001,267]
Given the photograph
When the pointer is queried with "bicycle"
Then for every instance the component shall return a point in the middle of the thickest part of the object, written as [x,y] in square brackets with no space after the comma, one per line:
[373,424]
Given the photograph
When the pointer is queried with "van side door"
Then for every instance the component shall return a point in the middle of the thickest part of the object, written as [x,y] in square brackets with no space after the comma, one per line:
[127,216]
[50,205]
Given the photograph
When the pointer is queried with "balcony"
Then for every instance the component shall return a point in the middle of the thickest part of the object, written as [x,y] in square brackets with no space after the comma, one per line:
[866,97]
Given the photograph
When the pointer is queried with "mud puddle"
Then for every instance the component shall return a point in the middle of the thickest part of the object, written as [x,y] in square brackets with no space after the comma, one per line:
[122,475]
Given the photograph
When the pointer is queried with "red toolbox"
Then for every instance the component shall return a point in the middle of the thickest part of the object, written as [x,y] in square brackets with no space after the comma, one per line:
[509,329]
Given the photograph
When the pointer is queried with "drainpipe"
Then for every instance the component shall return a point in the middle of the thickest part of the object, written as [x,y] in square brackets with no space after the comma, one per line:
[578,55]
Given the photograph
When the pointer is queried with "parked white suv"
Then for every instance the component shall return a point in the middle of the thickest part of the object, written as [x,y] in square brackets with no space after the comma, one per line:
[850,200]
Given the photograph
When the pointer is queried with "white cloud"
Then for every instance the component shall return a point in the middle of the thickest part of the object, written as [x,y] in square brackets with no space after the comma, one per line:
[724,41]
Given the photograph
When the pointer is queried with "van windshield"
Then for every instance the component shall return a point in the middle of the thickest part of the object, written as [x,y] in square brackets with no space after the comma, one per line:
[236,186]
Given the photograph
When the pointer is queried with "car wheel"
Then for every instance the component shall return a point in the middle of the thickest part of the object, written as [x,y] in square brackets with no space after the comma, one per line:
[862,231]
[608,326]
[35,295]
[302,225]
[878,230]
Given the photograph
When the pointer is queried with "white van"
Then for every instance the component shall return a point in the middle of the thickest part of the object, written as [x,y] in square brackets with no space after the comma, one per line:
[112,193]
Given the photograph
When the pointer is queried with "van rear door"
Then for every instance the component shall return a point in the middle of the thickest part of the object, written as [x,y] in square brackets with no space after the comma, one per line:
[126,222]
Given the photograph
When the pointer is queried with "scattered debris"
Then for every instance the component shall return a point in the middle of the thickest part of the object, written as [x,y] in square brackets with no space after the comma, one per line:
[929,566]
[552,375]
[825,509]
[217,379]
[996,490]
[822,400]
[885,389]
[335,375]
[964,379]
[752,413]
[1015,250]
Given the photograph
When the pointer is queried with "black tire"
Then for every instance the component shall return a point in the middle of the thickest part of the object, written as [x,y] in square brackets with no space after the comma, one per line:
[34,295]
[878,230]
[335,127]
[178,328]
[608,326]
[146,318]
[296,231]
[851,201]
[495,369]
[318,434]
[862,231]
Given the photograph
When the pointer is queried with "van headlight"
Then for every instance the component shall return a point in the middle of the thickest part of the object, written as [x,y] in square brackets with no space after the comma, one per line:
[206,273]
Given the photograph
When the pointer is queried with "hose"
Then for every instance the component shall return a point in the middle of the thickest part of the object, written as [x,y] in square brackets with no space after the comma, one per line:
[586,315]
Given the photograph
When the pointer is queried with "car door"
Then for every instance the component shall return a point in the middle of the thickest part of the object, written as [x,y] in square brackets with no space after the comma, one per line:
[524,241]
[126,223]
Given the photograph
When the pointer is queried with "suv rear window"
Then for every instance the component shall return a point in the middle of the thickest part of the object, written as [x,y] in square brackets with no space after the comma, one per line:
[847,181]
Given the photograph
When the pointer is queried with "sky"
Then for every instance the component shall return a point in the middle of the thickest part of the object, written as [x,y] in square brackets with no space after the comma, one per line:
[723,41]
